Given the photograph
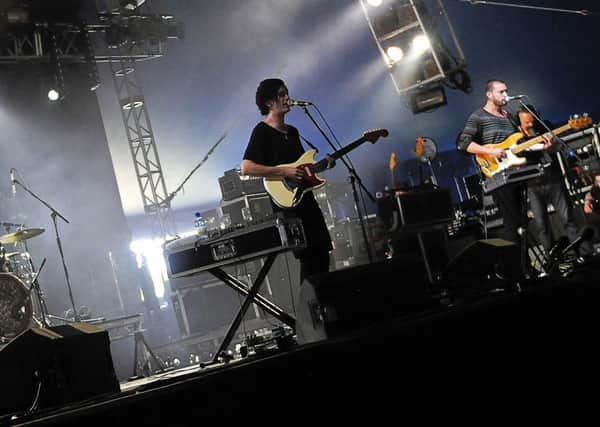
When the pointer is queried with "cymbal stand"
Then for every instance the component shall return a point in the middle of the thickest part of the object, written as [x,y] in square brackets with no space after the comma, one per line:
[54,214]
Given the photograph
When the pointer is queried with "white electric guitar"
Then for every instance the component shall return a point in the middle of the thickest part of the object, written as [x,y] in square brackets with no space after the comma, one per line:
[287,193]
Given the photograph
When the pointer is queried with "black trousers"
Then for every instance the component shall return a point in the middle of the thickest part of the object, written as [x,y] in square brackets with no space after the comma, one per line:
[541,193]
[313,262]
[509,199]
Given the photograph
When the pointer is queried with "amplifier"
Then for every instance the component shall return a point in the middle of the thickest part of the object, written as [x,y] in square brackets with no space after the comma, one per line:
[189,255]
[234,185]
[259,205]
[425,207]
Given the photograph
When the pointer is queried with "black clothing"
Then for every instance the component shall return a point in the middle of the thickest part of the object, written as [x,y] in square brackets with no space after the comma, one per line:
[548,189]
[271,147]
[592,220]
[485,128]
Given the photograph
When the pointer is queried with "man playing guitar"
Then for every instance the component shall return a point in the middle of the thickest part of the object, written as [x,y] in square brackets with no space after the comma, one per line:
[272,143]
[492,124]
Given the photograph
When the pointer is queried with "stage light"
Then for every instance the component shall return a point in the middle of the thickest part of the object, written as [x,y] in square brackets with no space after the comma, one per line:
[53,95]
[428,99]
[375,3]
[394,53]
[420,44]
[149,255]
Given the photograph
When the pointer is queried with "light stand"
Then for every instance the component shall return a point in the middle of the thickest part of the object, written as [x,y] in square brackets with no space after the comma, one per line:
[354,178]
[54,214]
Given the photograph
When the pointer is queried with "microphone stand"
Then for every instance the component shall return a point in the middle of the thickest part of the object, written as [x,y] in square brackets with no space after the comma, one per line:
[54,214]
[208,154]
[353,177]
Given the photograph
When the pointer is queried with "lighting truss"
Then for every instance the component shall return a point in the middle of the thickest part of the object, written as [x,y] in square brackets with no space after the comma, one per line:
[420,29]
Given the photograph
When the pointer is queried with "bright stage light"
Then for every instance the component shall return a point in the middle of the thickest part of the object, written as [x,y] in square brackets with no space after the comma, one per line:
[394,53]
[149,254]
[374,3]
[53,95]
[420,44]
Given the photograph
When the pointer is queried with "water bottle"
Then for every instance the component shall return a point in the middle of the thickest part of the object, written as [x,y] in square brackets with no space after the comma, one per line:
[200,224]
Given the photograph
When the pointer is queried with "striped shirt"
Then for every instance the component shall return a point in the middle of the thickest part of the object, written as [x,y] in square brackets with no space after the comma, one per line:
[485,128]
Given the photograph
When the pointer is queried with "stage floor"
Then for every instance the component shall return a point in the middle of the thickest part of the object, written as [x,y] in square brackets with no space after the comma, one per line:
[501,357]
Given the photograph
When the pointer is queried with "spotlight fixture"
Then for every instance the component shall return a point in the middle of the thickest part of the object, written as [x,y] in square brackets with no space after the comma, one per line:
[420,44]
[428,99]
[53,95]
[375,3]
[394,54]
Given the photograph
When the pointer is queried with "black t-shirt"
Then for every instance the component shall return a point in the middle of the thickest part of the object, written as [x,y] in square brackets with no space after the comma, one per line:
[271,147]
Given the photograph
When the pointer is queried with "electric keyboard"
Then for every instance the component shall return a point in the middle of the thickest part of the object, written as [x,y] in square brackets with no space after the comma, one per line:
[194,254]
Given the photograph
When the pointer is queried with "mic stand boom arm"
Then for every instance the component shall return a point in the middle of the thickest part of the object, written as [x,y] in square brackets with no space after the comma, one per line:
[353,179]
[54,214]
[178,189]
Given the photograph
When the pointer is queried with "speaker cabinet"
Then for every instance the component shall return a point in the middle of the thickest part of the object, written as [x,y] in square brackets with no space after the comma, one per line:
[481,263]
[342,301]
[60,364]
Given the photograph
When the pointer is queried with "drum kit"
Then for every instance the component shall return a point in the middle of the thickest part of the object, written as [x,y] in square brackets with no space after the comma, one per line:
[18,284]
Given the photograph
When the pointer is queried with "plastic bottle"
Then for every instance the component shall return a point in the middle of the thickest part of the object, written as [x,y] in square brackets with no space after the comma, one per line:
[200,225]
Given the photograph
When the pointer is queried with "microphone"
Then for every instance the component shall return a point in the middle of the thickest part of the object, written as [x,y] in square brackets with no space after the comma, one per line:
[510,98]
[298,103]
[12,182]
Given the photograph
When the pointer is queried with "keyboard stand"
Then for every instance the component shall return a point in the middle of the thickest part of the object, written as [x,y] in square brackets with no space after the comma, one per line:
[510,176]
[252,296]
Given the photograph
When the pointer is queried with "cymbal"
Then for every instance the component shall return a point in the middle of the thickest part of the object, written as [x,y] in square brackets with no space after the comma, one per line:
[17,236]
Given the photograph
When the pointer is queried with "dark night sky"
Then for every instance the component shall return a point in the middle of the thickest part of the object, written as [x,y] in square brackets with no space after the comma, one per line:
[205,84]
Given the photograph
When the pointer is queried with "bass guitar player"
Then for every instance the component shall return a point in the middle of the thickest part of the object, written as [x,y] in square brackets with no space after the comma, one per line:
[485,127]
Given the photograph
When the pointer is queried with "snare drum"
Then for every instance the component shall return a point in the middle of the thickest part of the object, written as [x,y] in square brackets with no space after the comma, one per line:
[16,310]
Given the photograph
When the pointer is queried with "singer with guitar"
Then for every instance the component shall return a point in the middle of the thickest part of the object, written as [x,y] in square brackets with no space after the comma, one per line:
[492,124]
[274,143]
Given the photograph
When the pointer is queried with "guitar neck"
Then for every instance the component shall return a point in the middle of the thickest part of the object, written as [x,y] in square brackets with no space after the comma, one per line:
[538,139]
[321,165]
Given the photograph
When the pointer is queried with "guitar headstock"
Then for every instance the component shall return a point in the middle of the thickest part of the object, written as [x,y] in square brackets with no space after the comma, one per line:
[577,122]
[373,135]
[392,161]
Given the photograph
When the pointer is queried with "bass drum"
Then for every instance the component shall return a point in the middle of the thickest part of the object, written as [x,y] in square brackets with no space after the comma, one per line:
[16,310]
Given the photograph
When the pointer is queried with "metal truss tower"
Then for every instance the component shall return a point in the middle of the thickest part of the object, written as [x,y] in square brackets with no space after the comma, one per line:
[120,38]
[142,144]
